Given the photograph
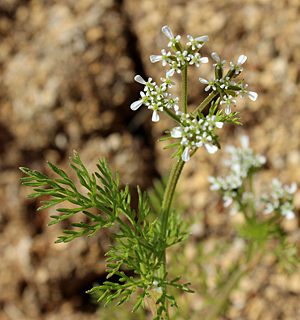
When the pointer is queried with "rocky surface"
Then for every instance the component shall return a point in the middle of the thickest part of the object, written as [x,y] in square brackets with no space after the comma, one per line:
[66,72]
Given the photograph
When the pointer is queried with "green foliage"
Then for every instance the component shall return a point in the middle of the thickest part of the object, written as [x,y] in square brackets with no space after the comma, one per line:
[138,243]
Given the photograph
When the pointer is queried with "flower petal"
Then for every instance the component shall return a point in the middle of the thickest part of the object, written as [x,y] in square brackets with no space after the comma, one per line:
[186,154]
[203,60]
[139,79]
[242,59]
[176,132]
[135,105]
[204,81]
[170,73]
[202,39]
[227,109]
[167,31]
[154,58]
[211,148]
[293,188]
[215,56]
[244,141]
[252,95]
[155,116]
[289,214]
[219,124]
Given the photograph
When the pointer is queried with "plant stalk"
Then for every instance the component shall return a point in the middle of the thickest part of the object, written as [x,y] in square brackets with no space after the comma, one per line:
[184,89]
[205,102]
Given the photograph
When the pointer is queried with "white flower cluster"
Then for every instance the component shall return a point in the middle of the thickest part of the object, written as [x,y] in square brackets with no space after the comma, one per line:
[242,161]
[281,199]
[222,85]
[195,133]
[156,97]
[181,57]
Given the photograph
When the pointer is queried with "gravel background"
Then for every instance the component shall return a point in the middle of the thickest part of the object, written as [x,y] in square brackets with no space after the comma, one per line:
[66,82]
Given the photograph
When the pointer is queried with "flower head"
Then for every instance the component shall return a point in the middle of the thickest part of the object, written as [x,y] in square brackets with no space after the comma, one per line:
[237,67]
[252,95]
[210,84]
[164,57]
[197,43]
[218,64]
[156,97]
[167,31]
[227,100]
[196,133]
[197,59]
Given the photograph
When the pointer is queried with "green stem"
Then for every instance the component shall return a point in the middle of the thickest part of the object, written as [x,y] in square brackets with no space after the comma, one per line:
[225,293]
[234,280]
[184,89]
[169,193]
[252,191]
[205,102]
[171,114]
[165,211]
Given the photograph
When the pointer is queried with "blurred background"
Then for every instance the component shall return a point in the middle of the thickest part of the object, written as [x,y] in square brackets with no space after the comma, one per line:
[66,83]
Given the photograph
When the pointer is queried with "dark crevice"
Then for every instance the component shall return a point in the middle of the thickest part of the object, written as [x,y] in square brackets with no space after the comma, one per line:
[143,130]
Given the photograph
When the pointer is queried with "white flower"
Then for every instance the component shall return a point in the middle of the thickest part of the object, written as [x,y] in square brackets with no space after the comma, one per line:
[237,67]
[155,116]
[211,122]
[164,57]
[228,200]
[170,102]
[287,210]
[205,139]
[216,183]
[218,64]
[167,83]
[135,105]
[210,84]
[197,43]
[186,154]
[270,207]
[167,31]
[227,100]
[176,132]
[226,83]
[197,59]
[145,100]
[252,95]
[292,189]
[244,141]
[202,39]
[140,80]
[242,59]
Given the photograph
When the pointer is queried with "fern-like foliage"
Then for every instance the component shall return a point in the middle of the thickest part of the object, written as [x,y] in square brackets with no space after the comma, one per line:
[138,247]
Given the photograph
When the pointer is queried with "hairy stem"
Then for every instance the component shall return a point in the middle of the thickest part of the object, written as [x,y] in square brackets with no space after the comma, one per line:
[165,210]
[184,89]
[171,114]
[205,102]
[233,281]
[222,299]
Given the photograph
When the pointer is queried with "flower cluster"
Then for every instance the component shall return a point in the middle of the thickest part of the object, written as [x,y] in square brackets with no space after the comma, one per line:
[228,88]
[156,97]
[181,57]
[243,164]
[243,161]
[196,133]
[281,199]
